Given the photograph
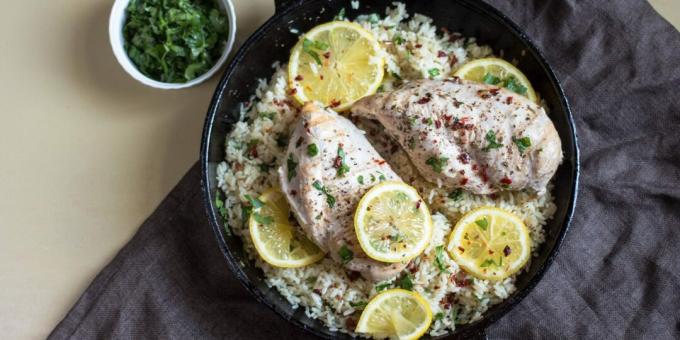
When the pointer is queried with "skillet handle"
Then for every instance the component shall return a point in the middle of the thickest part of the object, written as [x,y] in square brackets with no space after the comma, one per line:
[280,5]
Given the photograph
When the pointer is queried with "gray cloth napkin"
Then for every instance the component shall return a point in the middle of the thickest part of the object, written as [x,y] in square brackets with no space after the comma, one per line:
[617,274]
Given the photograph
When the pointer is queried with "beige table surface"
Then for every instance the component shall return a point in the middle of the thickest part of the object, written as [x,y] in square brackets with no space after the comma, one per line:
[86,152]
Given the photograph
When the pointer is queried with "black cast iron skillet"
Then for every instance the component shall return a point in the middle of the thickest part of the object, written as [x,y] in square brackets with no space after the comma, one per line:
[273,41]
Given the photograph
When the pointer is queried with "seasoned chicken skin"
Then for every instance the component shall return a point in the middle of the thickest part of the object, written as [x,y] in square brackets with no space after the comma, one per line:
[461,134]
[329,166]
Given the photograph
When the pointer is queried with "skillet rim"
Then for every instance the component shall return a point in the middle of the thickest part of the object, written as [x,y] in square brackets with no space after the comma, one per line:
[476,328]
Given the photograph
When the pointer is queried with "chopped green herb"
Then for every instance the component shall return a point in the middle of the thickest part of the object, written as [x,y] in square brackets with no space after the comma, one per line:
[308,47]
[358,305]
[340,162]
[262,219]
[500,261]
[429,121]
[341,14]
[456,195]
[329,198]
[372,178]
[360,179]
[433,72]
[483,223]
[291,166]
[265,167]
[382,286]
[268,114]
[381,176]
[395,76]
[398,39]
[438,316]
[437,163]
[491,79]
[174,41]
[246,210]
[345,254]
[491,139]
[312,150]
[254,202]
[221,208]
[311,280]
[439,259]
[522,143]
[513,85]
[487,263]
[406,282]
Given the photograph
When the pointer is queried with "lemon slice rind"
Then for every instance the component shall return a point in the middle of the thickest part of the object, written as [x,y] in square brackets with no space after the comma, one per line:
[382,317]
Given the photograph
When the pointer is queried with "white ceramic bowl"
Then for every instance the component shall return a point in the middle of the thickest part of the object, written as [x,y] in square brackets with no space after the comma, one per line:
[116,23]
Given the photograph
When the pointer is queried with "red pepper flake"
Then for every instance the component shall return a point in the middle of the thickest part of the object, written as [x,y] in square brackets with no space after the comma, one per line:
[418,204]
[337,162]
[475,167]
[419,45]
[469,127]
[293,192]
[380,161]
[292,91]
[493,196]
[448,117]
[464,158]
[484,94]
[490,252]
[317,291]
[456,102]
[462,250]
[460,279]
[327,55]
[238,166]
[335,103]
[441,54]
[299,77]
[507,250]
[506,181]
[460,123]
[463,181]
[485,177]
[412,267]
[253,151]
[425,100]
[437,124]
[508,100]
[494,91]
[452,60]
[461,171]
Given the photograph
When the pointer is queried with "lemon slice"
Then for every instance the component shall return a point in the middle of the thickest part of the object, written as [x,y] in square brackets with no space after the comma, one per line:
[277,241]
[396,313]
[490,243]
[335,63]
[392,222]
[495,71]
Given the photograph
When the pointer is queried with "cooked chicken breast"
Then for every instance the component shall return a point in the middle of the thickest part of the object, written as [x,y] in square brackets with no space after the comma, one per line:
[461,134]
[329,167]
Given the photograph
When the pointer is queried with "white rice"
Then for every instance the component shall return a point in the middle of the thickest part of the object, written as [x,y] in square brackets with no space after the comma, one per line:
[323,289]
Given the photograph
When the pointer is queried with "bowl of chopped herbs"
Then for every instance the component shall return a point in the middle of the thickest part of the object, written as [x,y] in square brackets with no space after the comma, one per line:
[172,44]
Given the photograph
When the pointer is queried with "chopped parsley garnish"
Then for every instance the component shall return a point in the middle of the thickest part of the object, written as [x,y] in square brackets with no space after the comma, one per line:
[433,72]
[341,14]
[311,280]
[246,210]
[398,39]
[340,162]
[265,167]
[438,316]
[358,305]
[483,223]
[439,259]
[268,114]
[262,219]
[254,202]
[513,85]
[488,262]
[522,143]
[360,179]
[437,163]
[309,47]
[345,254]
[491,79]
[382,286]
[491,139]
[312,150]
[221,208]
[456,195]
[174,41]
[406,282]
[395,76]
[291,166]
[381,176]
[329,198]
